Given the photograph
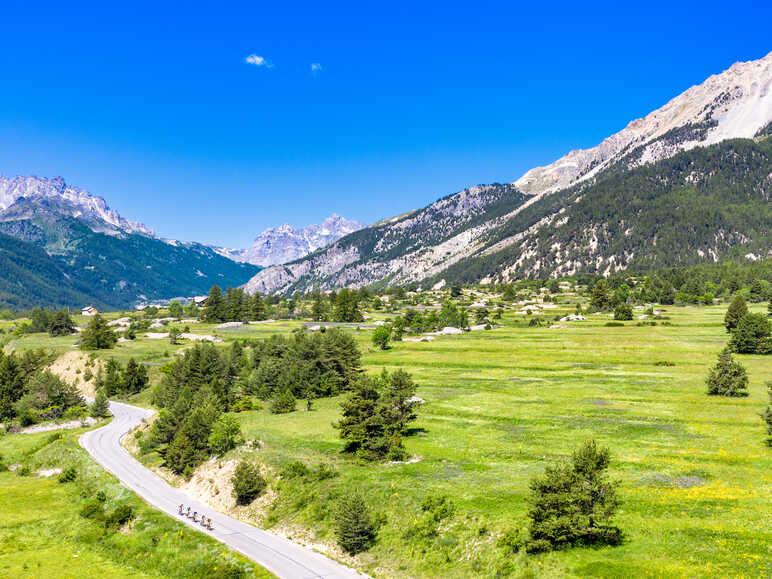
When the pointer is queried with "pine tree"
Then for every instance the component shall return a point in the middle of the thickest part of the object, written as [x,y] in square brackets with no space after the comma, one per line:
[727,377]
[737,309]
[215,306]
[752,335]
[319,308]
[599,296]
[355,528]
[135,377]
[97,335]
[112,379]
[257,307]
[573,503]
[101,407]
[11,384]
[61,324]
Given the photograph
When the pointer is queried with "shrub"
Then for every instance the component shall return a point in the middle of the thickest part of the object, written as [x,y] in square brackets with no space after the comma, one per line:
[614,324]
[121,515]
[68,475]
[355,528]
[93,509]
[751,335]
[248,483]
[283,402]
[664,363]
[623,313]
[727,377]
[226,434]
[381,337]
[295,469]
[573,503]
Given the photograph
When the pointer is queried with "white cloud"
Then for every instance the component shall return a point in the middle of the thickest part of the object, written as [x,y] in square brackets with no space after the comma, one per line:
[316,67]
[257,60]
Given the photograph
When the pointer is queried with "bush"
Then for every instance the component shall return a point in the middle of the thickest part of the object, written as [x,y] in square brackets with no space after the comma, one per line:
[623,313]
[248,483]
[68,475]
[355,528]
[120,516]
[573,503]
[727,377]
[283,402]
[226,435]
[751,335]
[381,337]
[93,509]
[614,324]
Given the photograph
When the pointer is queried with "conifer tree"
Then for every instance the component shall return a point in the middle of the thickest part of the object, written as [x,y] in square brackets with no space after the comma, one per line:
[752,335]
[737,309]
[573,503]
[214,309]
[257,307]
[727,377]
[135,377]
[97,335]
[355,528]
[101,407]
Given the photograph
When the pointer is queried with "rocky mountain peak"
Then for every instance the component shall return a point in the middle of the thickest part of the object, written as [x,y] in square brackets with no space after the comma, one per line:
[56,195]
[736,103]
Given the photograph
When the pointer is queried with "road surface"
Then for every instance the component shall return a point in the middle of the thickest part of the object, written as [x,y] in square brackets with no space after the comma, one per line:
[280,556]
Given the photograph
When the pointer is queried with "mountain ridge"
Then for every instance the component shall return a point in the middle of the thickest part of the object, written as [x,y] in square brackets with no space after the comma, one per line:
[734,104]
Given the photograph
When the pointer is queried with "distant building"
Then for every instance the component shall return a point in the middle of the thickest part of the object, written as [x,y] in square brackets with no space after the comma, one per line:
[200,301]
[89,311]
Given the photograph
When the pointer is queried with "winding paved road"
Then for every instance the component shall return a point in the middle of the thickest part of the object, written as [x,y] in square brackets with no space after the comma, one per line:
[280,556]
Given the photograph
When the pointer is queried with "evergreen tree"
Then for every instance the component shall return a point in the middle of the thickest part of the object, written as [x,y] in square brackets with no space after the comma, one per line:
[355,528]
[11,384]
[347,307]
[600,298]
[752,335]
[257,307]
[361,426]
[319,307]
[727,377]
[283,402]
[135,377]
[97,335]
[101,407]
[61,324]
[112,379]
[573,503]
[737,309]
[214,311]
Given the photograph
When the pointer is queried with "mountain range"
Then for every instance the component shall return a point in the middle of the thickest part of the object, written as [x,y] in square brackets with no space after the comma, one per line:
[285,243]
[62,246]
[689,182]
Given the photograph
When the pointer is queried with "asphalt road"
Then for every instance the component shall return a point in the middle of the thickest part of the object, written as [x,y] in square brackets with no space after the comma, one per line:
[280,556]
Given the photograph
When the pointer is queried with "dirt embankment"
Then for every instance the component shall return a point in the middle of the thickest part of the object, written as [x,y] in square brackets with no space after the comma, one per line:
[78,368]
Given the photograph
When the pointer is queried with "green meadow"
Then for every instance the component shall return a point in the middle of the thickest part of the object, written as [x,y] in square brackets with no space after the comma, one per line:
[500,405]
[43,535]
[696,477]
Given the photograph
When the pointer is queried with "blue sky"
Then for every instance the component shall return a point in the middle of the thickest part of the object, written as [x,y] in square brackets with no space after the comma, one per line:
[155,107]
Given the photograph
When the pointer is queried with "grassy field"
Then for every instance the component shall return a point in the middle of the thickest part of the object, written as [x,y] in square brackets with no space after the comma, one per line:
[42,534]
[696,478]
[500,405]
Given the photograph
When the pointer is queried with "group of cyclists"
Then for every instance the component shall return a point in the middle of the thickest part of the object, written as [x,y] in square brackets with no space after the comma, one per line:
[205,522]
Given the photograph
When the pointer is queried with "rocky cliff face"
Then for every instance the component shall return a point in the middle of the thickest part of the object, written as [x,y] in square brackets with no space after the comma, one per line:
[488,231]
[734,104]
[283,244]
[21,195]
